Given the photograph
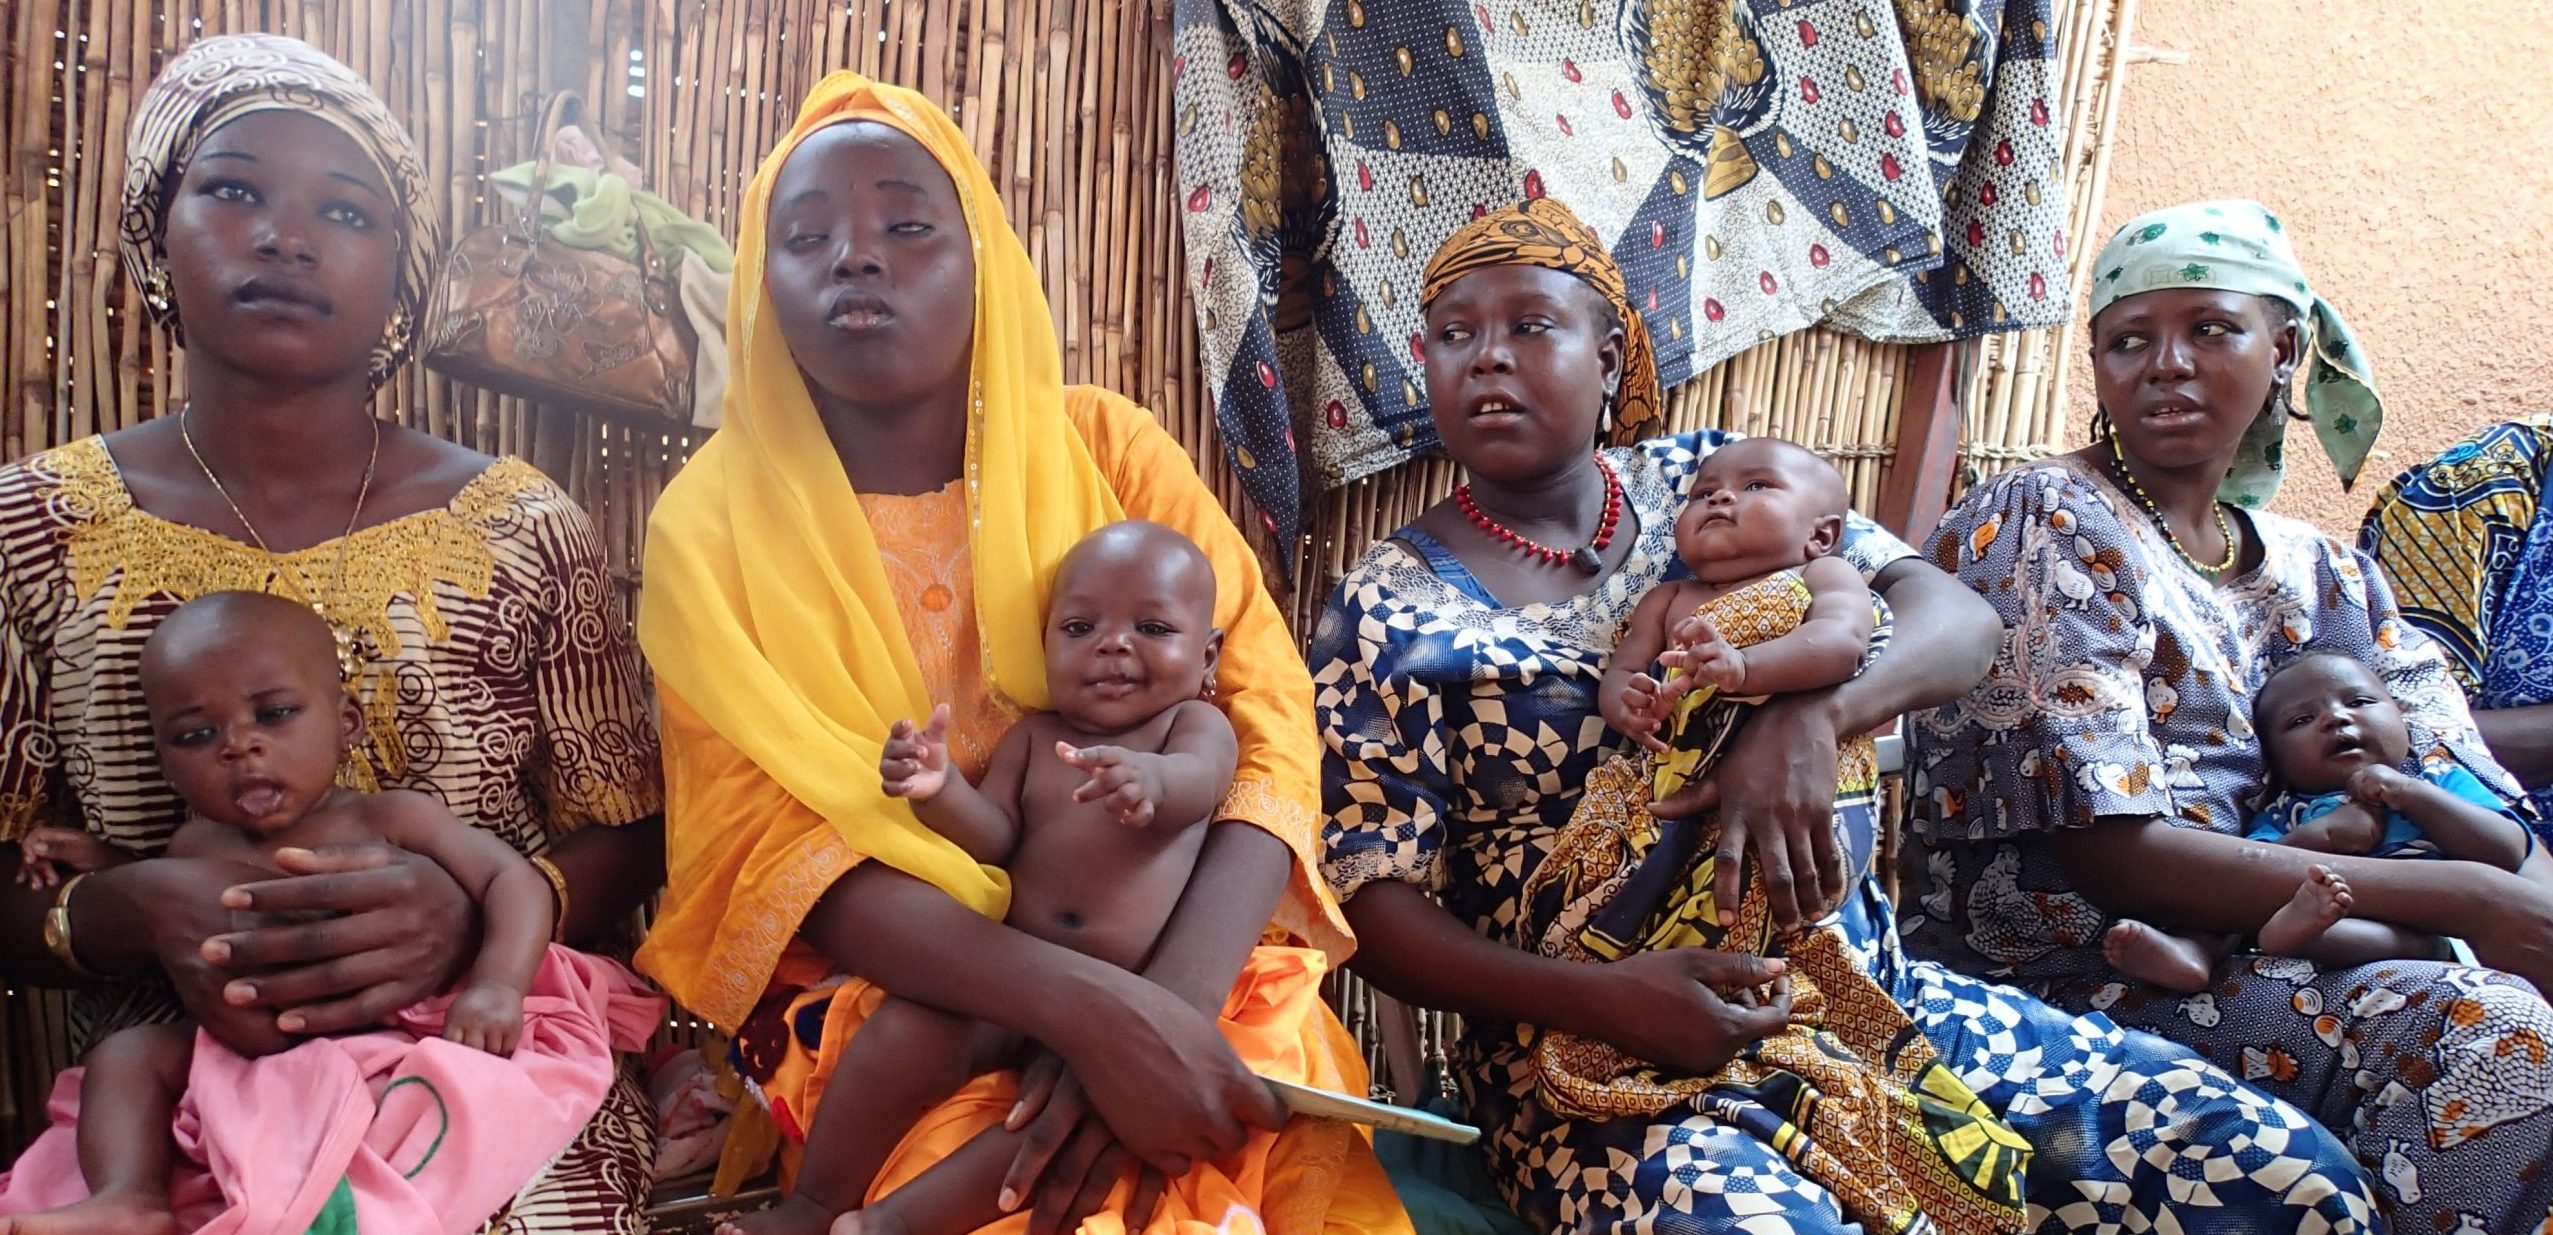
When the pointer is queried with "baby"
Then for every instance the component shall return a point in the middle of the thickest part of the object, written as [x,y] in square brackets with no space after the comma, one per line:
[250,722]
[1093,809]
[1768,611]
[2335,743]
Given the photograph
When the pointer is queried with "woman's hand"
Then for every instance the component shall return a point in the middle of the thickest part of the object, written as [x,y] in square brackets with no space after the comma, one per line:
[175,905]
[1067,1158]
[391,928]
[1784,807]
[1665,1007]
[1164,1079]
[2514,932]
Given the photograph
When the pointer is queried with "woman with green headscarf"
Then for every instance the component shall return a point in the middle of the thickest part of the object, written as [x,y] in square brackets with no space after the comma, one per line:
[2108,767]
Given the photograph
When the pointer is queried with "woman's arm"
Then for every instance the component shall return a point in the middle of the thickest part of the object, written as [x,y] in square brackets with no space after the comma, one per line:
[1662,1006]
[610,872]
[2194,879]
[1943,640]
[2522,740]
[1119,1032]
[1941,644]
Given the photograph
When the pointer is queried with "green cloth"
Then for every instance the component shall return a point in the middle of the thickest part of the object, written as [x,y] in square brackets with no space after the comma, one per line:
[601,211]
[1446,1188]
[337,1217]
[2239,246]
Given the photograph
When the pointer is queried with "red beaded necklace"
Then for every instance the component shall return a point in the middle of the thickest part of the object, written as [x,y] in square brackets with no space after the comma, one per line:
[1589,558]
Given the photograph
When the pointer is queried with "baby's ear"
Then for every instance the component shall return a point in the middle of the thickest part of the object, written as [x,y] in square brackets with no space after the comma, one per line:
[349,721]
[1213,659]
[1825,534]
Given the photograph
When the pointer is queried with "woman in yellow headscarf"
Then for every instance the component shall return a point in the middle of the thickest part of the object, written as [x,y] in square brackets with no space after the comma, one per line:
[872,533]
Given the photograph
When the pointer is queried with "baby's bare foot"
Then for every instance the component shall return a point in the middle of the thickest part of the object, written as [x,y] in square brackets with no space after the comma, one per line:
[794,1215]
[2299,924]
[870,1221]
[105,1214]
[2150,954]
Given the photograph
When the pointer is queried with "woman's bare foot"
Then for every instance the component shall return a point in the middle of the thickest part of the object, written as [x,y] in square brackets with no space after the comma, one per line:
[2299,924]
[796,1214]
[2151,954]
[110,1213]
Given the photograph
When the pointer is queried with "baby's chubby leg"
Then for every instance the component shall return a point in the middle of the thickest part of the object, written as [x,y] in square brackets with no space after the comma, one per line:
[905,1059]
[127,1099]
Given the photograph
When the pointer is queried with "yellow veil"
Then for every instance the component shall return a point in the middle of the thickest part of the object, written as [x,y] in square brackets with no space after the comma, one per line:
[767,610]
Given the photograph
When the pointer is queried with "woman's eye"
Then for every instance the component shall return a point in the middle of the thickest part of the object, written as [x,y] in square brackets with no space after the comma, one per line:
[1453,334]
[801,240]
[2212,329]
[912,229]
[230,191]
[1533,327]
[351,216]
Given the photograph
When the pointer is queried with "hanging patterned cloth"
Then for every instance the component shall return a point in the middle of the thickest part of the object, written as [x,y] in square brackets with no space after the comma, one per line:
[1884,166]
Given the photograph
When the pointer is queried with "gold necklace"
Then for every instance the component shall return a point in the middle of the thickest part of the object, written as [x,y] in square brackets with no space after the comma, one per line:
[349,657]
[2118,458]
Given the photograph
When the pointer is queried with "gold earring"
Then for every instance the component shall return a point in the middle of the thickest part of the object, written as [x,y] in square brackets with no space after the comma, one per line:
[158,291]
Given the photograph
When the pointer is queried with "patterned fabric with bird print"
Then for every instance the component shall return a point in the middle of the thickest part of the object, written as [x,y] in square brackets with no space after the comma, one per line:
[2124,689]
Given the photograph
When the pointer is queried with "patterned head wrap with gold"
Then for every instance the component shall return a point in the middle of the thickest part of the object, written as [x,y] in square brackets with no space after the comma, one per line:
[1543,232]
[218,80]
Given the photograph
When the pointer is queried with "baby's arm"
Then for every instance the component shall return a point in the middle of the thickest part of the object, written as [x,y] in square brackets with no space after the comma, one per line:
[1181,785]
[1824,650]
[44,852]
[2465,831]
[516,912]
[1631,700]
[984,822]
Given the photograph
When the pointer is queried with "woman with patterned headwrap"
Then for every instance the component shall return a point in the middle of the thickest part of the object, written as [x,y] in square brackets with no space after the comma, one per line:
[2107,767]
[1455,676]
[277,222]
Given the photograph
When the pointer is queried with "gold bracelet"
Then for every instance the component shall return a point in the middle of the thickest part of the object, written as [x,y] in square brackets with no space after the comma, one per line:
[57,931]
[558,896]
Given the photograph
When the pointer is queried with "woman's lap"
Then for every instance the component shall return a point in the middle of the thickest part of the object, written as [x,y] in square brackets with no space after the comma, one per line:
[2438,1076]
[2123,1124]
[1692,1177]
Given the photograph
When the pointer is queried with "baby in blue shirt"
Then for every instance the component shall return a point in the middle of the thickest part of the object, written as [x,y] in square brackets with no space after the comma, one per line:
[2335,742]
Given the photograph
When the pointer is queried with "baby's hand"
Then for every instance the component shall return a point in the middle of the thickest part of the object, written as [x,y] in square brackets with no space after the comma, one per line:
[2352,827]
[1127,783]
[487,1018]
[915,763]
[1704,656]
[1641,707]
[2379,787]
[45,851]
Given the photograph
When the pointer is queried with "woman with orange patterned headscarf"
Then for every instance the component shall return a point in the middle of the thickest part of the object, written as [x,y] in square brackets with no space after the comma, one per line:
[873,531]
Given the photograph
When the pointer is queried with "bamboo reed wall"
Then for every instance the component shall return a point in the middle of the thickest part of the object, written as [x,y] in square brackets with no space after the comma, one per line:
[1067,102]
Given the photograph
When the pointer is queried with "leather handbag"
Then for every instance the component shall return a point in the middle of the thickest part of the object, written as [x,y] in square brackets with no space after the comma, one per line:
[521,314]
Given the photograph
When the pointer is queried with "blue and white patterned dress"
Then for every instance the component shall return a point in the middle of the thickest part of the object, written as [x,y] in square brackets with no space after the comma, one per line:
[1459,732]
[2124,688]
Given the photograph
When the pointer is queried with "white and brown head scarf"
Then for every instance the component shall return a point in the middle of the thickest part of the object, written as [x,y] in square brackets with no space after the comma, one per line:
[219,79]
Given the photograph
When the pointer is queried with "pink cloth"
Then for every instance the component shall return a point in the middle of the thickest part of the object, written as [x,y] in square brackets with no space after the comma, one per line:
[263,1142]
